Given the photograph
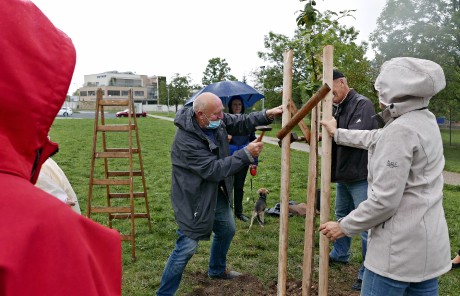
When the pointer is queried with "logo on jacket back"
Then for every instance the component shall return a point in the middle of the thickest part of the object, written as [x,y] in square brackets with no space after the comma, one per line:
[392,164]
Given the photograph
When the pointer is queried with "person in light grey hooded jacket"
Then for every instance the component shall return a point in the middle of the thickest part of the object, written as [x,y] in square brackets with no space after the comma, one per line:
[408,244]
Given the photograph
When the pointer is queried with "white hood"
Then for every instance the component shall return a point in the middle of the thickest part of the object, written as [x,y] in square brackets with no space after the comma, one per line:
[408,83]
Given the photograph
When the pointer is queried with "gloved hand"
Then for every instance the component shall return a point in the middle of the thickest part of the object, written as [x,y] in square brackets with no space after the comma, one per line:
[253,169]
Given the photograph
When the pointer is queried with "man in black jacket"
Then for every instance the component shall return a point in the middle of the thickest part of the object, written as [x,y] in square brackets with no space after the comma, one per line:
[202,182]
[349,165]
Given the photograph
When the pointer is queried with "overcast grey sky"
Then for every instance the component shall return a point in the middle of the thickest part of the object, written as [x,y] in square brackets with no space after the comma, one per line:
[167,37]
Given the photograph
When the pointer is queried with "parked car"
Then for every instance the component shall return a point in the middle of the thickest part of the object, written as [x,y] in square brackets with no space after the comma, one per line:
[125,113]
[65,111]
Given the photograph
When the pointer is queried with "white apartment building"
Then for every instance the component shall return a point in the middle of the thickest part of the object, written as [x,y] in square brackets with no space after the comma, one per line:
[115,85]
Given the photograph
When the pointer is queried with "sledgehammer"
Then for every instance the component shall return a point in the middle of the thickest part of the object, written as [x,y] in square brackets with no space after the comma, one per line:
[262,128]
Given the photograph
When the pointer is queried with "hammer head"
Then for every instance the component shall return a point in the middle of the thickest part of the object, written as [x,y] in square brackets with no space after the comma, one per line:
[263,128]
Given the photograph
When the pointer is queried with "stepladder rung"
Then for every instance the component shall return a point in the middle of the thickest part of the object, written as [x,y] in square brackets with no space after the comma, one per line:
[126,195]
[133,150]
[121,102]
[110,182]
[111,210]
[115,127]
[113,155]
[126,237]
[127,216]
[123,174]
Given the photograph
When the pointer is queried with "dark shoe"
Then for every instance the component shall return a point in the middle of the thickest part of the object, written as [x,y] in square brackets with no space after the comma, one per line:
[226,275]
[455,265]
[243,218]
[357,285]
[333,261]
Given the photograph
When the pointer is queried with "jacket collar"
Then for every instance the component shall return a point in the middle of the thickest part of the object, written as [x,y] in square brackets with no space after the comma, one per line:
[395,110]
[185,120]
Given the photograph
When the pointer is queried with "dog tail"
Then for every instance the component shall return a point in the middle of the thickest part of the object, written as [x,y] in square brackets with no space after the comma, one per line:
[250,225]
[254,215]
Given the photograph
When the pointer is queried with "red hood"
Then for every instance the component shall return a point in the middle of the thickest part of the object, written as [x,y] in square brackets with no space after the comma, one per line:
[36,61]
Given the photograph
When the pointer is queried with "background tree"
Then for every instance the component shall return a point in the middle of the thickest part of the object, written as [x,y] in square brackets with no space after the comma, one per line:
[217,70]
[162,90]
[423,29]
[179,90]
[307,44]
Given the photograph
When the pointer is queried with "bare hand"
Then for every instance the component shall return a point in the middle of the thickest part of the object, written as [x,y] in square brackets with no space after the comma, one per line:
[255,148]
[330,126]
[271,113]
[69,201]
[332,230]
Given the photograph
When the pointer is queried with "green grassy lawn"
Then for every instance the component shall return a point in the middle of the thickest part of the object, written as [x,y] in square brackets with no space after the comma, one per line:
[255,252]
[451,140]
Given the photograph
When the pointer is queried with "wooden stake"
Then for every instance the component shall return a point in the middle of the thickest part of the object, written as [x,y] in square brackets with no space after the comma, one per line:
[309,237]
[325,173]
[284,190]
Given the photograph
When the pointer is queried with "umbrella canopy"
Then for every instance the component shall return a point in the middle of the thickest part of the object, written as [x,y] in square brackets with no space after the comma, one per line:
[225,90]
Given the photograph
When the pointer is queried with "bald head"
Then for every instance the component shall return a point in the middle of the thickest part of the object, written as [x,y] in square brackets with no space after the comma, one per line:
[204,100]
[207,107]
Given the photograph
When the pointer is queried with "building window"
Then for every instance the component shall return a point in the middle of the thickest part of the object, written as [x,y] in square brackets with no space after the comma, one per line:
[91,93]
[83,93]
[125,82]
[113,92]
[139,93]
[124,93]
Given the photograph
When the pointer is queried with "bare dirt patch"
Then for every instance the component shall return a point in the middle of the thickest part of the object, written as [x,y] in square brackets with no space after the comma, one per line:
[248,285]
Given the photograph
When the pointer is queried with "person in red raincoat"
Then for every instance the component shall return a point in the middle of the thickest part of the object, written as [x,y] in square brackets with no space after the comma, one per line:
[45,248]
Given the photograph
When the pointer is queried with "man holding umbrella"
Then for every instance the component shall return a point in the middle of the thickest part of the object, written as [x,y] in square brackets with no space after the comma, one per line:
[202,182]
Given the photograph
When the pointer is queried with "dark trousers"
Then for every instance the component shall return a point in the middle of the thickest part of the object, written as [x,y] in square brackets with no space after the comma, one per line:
[238,190]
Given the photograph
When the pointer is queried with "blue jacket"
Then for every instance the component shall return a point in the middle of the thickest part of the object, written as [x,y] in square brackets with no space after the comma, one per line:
[239,142]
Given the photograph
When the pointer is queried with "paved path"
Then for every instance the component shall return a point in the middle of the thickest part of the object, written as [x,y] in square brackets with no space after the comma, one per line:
[449,177]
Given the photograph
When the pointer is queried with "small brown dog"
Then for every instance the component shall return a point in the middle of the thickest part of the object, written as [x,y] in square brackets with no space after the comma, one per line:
[259,207]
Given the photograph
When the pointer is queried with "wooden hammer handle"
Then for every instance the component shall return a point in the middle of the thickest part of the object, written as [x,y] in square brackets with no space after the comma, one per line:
[260,137]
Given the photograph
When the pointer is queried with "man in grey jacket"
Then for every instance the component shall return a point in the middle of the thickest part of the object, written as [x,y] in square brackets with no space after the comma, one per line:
[202,182]
[408,246]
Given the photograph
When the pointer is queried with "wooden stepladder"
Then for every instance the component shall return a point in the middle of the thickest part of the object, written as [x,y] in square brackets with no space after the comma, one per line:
[117,182]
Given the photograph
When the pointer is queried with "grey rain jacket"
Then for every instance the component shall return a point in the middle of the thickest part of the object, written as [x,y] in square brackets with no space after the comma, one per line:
[199,167]
[408,238]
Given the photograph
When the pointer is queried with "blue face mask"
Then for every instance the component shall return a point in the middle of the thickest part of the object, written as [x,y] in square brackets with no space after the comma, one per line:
[212,124]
